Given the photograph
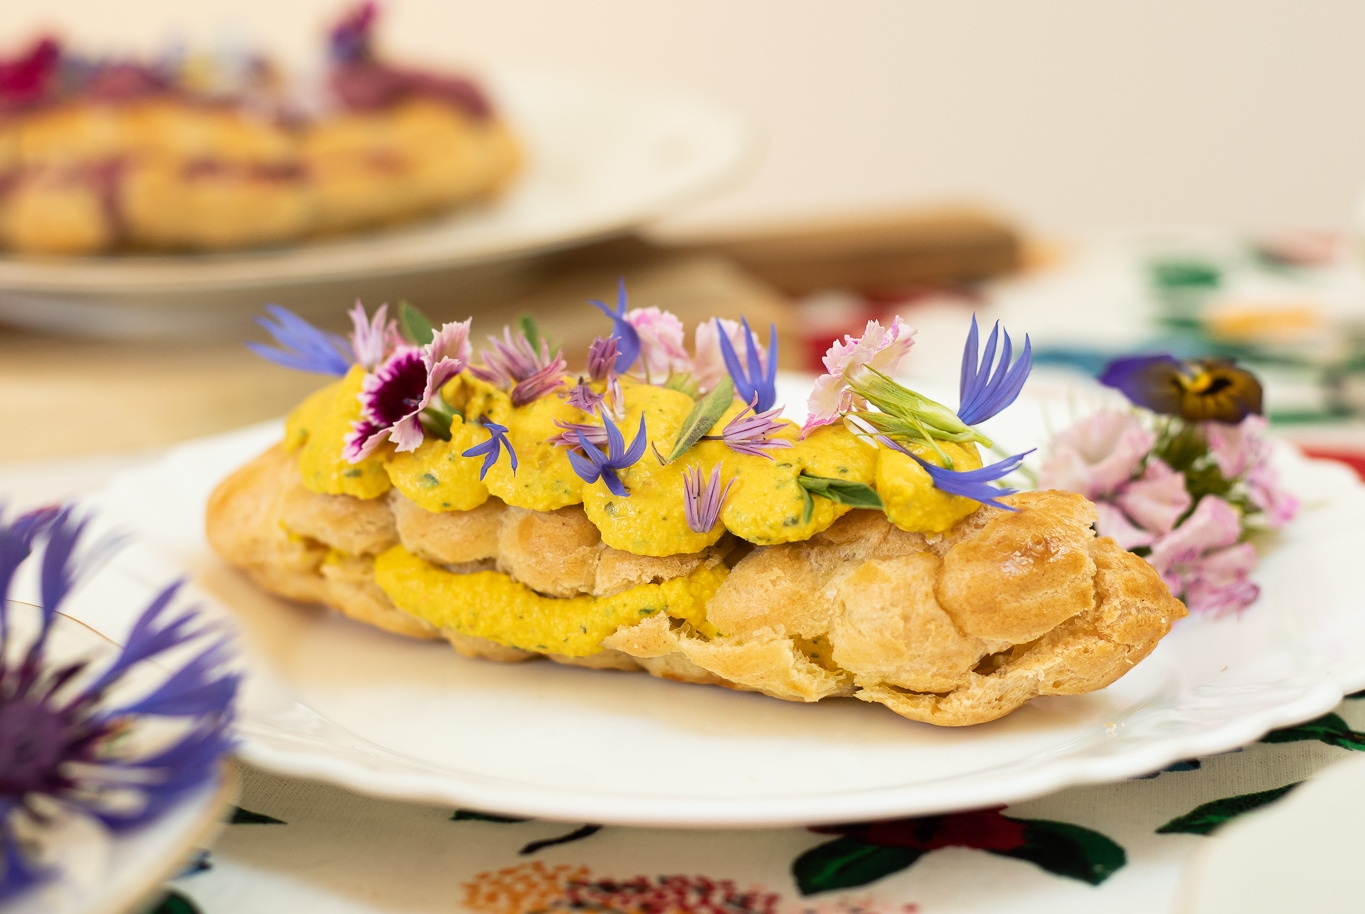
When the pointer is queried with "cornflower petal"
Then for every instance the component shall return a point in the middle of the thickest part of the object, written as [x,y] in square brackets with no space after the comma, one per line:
[628,338]
[974,484]
[301,346]
[702,502]
[490,449]
[988,387]
[754,379]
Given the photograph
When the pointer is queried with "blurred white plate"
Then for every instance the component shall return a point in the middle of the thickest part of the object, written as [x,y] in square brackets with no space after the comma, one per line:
[334,700]
[601,157]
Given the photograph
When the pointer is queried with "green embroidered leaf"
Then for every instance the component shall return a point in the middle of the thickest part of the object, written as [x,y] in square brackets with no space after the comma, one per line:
[242,816]
[705,413]
[848,862]
[1067,850]
[1329,729]
[1360,694]
[842,491]
[1205,819]
[173,903]
[416,326]
[472,815]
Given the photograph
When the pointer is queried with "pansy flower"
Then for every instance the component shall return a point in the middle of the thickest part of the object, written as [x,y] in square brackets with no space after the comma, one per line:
[1197,391]
[394,397]
[879,348]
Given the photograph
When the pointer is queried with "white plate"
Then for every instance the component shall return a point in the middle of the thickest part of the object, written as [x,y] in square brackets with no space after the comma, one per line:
[601,157]
[334,700]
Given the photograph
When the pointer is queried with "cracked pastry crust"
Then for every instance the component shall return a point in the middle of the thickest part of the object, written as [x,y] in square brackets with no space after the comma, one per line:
[952,630]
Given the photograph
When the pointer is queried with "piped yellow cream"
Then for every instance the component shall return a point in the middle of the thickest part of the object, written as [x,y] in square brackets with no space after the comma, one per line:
[490,605]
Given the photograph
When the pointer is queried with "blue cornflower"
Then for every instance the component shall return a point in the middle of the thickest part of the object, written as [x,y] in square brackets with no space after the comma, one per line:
[753,378]
[592,463]
[490,449]
[974,484]
[63,740]
[301,346]
[627,337]
[985,390]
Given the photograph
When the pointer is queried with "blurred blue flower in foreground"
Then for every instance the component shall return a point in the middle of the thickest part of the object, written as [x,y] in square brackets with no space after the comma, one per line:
[76,736]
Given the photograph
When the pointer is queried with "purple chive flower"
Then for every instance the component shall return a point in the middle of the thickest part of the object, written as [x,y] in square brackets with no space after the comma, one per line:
[751,435]
[393,398]
[592,463]
[702,502]
[63,740]
[985,390]
[627,337]
[373,338]
[514,365]
[602,356]
[584,397]
[490,449]
[974,484]
[569,437]
[301,346]
[753,378]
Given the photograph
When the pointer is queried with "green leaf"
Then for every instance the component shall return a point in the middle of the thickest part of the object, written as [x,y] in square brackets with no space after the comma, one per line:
[1329,729]
[173,903]
[527,324]
[461,815]
[1068,850]
[416,326]
[242,816]
[1203,820]
[705,413]
[847,862]
[841,491]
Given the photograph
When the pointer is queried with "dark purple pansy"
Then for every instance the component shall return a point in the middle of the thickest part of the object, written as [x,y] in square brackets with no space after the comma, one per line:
[1202,390]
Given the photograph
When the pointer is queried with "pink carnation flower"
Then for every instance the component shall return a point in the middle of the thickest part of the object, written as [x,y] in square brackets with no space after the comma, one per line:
[373,338]
[393,397]
[1243,450]
[1156,499]
[661,343]
[878,348]
[1097,454]
[1202,559]
[708,364]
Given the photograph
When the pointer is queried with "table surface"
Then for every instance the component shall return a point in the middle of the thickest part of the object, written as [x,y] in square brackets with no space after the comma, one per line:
[88,409]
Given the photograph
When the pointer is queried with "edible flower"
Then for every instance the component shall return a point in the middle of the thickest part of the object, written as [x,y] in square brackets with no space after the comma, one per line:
[753,379]
[1203,560]
[602,356]
[880,349]
[492,448]
[513,364]
[627,337]
[905,414]
[974,484]
[984,391]
[751,434]
[373,338]
[301,346]
[597,434]
[74,743]
[584,397]
[396,398]
[662,353]
[1197,391]
[1097,455]
[702,501]
[592,463]
[708,362]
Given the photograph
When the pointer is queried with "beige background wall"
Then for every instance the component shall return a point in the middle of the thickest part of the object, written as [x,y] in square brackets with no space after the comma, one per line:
[1070,114]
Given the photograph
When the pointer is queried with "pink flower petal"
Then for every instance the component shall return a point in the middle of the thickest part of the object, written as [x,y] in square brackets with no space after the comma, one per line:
[1235,448]
[1114,523]
[1097,454]
[661,343]
[1213,525]
[450,342]
[407,433]
[1156,499]
[1265,492]
[708,365]
[879,348]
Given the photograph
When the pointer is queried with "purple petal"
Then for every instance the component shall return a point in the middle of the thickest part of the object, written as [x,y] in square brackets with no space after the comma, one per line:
[300,345]
[974,484]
